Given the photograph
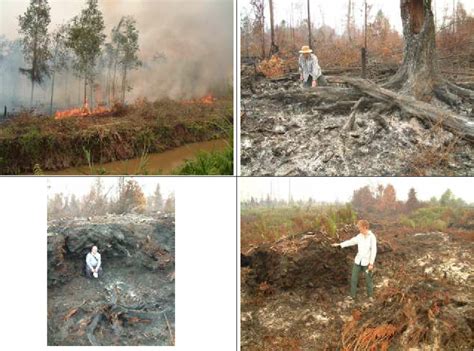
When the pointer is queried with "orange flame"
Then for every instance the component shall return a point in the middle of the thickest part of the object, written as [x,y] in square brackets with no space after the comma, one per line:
[82,112]
[206,100]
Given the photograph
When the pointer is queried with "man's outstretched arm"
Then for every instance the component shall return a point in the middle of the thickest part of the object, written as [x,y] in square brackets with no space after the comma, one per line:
[350,242]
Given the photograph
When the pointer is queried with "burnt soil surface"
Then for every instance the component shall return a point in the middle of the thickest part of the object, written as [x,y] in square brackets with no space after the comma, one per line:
[133,302]
[294,295]
[289,136]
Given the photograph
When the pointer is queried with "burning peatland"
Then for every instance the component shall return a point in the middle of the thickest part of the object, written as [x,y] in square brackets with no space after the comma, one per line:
[92,137]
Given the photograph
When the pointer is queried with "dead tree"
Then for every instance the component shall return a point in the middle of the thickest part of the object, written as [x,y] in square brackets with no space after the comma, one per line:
[349,22]
[273,47]
[419,74]
[259,9]
[310,38]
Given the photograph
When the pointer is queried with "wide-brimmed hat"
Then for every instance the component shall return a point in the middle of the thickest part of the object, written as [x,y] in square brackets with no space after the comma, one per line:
[305,50]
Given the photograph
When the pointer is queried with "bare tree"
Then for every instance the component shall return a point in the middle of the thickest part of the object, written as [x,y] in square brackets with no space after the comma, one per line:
[259,9]
[418,75]
[273,46]
[349,16]
[310,39]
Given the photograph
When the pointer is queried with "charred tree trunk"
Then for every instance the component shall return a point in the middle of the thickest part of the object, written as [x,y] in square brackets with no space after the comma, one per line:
[273,46]
[310,37]
[417,75]
[85,91]
[124,83]
[348,25]
[263,36]
[52,94]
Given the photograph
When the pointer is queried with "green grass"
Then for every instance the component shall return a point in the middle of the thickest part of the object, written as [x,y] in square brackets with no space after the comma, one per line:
[209,163]
[439,218]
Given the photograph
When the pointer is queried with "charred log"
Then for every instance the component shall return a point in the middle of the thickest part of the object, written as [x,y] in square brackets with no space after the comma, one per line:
[450,121]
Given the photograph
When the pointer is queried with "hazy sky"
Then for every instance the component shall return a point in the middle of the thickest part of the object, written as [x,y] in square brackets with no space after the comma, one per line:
[64,10]
[341,189]
[81,185]
[334,11]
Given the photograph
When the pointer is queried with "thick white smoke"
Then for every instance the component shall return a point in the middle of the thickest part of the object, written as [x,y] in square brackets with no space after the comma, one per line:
[186,46]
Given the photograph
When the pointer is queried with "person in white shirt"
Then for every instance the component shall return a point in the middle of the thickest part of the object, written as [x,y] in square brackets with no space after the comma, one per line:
[93,263]
[365,258]
[310,72]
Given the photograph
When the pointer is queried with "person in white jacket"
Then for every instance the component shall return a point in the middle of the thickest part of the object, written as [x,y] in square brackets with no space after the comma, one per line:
[310,72]
[365,258]
[93,263]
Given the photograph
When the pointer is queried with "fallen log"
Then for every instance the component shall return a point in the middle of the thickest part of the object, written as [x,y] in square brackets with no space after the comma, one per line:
[355,108]
[92,327]
[341,106]
[448,120]
[326,94]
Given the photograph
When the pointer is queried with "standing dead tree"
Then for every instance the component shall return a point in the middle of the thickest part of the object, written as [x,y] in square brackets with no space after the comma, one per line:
[273,46]
[310,38]
[259,10]
[419,74]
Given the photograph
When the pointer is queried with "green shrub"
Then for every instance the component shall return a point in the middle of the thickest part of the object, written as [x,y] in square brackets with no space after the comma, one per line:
[328,224]
[209,163]
[439,225]
[407,222]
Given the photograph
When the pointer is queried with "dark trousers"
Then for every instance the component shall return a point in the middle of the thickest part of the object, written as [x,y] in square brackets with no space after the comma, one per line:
[356,269]
[321,81]
[89,272]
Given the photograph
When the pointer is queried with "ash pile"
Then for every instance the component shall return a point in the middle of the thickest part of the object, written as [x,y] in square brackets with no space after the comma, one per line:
[291,131]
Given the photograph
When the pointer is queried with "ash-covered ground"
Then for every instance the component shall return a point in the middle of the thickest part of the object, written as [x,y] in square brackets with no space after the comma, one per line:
[133,303]
[289,136]
[423,295]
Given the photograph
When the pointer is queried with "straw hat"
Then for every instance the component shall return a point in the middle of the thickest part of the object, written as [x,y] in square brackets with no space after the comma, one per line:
[305,50]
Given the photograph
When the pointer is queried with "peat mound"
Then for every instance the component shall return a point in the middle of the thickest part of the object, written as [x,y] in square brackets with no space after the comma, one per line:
[303,261]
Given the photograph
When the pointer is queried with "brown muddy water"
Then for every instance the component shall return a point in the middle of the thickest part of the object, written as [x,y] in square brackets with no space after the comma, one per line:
[154,163]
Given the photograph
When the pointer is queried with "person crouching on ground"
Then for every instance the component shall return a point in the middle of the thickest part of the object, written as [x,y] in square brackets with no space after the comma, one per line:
[365,258]
[310,72]
[93,263]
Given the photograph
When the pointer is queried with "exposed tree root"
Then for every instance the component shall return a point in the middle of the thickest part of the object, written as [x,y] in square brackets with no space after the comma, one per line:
[422,110]
[119,316]
[92,327]
[340,99]
[463,92]
[359,105]
[315,96]
[442,93]
[341,106]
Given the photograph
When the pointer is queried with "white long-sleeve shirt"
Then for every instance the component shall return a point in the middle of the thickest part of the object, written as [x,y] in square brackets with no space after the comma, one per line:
[366,248]
[309,66]
[93,261]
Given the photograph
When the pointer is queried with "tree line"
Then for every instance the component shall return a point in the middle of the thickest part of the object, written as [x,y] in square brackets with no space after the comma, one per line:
[262,37]
[126,197]
[381,199]
[80,46]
